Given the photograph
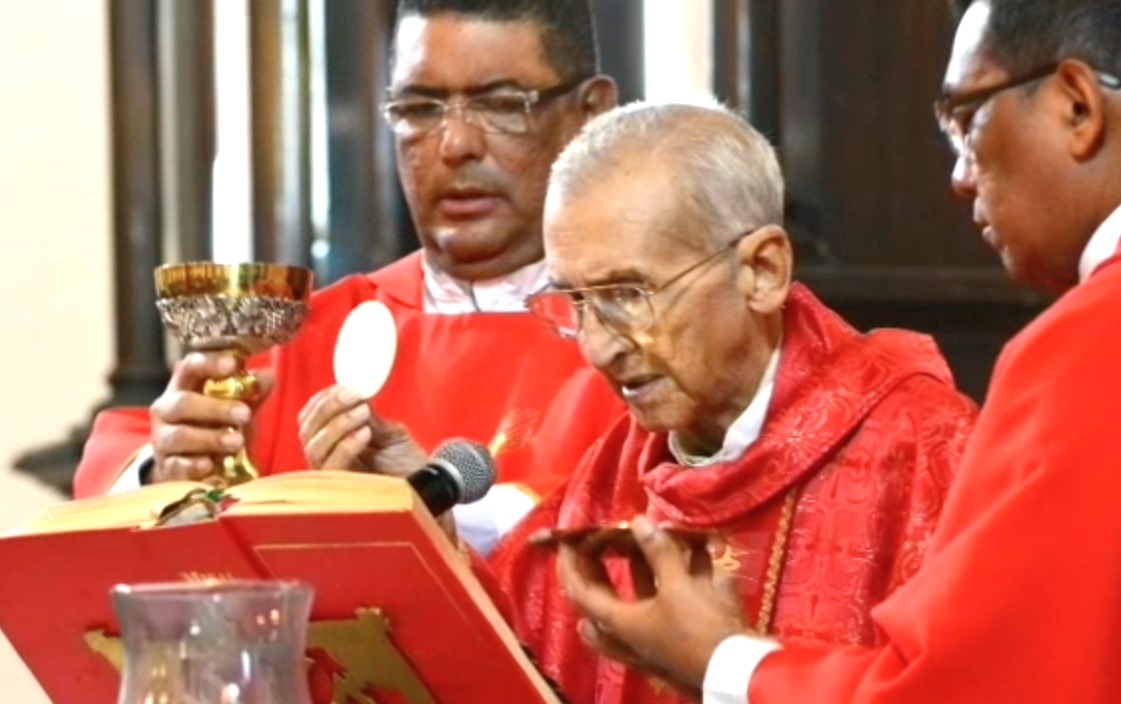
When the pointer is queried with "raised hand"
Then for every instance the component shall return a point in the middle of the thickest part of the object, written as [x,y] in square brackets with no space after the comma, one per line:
[684,607]
[191,431]
[339,431]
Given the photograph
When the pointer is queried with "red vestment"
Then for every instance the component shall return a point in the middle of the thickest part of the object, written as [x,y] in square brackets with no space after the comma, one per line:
[829,510]
[501,379]
[1019,598]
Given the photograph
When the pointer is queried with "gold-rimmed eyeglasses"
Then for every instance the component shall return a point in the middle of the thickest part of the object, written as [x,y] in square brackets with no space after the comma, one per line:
[954,113]
[502,110]
[625,307]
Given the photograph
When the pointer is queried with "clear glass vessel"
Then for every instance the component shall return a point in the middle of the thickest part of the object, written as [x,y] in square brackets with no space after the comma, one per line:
[239,642]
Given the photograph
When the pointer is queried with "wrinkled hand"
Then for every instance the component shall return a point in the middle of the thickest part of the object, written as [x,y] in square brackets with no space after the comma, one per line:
[684,607]
[339,431]
[191,430]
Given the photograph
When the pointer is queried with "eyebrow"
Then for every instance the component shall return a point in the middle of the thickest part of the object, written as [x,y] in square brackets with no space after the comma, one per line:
[624,275]
[417,89]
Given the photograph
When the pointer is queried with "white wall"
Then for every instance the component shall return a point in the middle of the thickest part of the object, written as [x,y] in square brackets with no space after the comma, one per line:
[55,295]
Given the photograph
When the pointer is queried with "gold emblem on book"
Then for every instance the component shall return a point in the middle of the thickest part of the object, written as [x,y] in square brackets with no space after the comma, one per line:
[366,658]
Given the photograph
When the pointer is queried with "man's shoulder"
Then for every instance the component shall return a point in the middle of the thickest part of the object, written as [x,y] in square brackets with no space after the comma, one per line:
[1080,333]
[397,284]
[829,341]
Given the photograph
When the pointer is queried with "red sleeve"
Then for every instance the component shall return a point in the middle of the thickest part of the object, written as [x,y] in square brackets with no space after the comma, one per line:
[116,436]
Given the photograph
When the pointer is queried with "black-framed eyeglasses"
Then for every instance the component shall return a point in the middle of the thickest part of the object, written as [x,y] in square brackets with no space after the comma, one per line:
[499,111]
[954,113]
[621,307]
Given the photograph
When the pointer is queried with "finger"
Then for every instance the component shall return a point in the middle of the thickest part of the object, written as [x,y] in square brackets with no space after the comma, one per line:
[345,453]
[197,367]
[598,638]
[171,440]
[666,557]
[336,444]
[179,407]
[313,402]
[326,407]
[180,468]
[587,586]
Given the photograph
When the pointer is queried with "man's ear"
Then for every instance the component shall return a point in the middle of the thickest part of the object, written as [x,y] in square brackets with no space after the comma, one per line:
[1084,108]
[766,268]
[598,95]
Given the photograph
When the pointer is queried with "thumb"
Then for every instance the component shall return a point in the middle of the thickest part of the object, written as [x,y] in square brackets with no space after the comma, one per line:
[662,552]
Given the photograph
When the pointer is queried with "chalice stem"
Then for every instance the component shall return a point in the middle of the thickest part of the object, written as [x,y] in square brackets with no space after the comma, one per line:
[240,386]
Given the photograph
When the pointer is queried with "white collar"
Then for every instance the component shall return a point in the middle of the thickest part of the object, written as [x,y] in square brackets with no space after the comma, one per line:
[744,431]
[445,295]
[1102,245]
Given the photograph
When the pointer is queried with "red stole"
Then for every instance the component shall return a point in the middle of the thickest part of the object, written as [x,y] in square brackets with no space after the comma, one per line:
[822,516]
[501,379]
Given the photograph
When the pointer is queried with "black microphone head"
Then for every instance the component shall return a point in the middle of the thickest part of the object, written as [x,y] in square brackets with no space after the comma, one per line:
[475,465]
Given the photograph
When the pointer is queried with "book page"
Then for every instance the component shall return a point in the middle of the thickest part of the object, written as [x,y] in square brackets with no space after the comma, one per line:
[138,508]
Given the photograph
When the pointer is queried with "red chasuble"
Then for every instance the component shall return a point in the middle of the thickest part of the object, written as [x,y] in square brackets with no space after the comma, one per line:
[1019,599]
[830,510]
[501,379]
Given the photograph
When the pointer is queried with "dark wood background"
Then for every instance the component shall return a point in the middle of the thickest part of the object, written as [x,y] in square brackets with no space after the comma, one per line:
[843,89]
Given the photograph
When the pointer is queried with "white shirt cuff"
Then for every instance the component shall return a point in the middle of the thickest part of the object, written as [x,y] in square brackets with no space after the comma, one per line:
[482,524]
[130,477]
[731,666]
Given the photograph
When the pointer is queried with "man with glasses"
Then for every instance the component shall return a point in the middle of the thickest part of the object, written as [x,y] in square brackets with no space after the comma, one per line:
[812,457]
[484,95]
[1018,597]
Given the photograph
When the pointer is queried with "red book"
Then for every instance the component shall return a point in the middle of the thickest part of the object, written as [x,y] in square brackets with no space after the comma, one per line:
[398,614]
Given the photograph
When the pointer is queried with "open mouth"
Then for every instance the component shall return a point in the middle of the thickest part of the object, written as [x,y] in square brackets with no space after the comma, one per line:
[638,388]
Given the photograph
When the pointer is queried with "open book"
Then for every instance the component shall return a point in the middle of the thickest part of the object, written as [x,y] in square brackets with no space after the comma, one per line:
[398,613]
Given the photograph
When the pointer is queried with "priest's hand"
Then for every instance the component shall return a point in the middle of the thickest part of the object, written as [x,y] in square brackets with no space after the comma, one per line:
[338,430]
[190,431]
[684,608]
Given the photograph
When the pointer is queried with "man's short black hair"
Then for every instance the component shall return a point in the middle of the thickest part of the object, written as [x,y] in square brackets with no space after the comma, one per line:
[1027,34]
[568,32]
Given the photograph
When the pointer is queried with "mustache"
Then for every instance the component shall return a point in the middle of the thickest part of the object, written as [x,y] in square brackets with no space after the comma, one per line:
[475,177]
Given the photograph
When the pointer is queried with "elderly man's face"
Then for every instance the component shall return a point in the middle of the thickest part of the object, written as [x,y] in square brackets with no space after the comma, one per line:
[476,197]
[695,367]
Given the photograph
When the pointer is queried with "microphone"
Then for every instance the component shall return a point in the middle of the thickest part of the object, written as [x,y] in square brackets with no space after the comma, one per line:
[460,471]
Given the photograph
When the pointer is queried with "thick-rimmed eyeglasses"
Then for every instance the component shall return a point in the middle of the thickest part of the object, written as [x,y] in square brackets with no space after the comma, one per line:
[625,308]
[500,111]
[955,112]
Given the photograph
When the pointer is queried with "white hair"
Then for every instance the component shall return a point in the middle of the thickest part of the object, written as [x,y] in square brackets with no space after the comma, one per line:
[730,173]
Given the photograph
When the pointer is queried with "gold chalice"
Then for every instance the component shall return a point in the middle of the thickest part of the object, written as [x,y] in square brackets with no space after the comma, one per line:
[237,308]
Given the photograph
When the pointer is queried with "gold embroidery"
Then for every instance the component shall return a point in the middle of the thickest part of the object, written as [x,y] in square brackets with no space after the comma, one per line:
[205,578]
[728,561]
[659,686]
[514,431]
[774,566]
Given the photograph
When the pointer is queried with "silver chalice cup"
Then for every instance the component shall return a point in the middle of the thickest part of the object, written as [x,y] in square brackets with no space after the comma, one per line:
[240,309]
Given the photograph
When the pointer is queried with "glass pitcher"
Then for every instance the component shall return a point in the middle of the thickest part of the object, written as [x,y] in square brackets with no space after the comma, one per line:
[238,642]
